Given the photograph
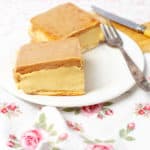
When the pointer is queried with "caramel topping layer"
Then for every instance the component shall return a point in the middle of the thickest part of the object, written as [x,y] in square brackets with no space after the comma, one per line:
[47,55]
[64,20]
[50,65]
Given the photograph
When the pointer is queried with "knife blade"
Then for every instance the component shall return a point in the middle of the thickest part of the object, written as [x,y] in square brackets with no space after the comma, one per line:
[123,21]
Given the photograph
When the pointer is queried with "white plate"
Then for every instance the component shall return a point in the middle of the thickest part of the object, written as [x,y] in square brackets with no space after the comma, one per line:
[107,75]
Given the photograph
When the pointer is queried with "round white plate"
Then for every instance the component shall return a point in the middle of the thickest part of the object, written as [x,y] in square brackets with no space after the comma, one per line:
[106,74]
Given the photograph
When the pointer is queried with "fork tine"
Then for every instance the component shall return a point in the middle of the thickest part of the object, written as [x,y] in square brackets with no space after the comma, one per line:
[109,27]
[115,31]
[105,32]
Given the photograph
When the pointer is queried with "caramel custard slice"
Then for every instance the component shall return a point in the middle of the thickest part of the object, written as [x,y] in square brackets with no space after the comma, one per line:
[50,68]
[64,21]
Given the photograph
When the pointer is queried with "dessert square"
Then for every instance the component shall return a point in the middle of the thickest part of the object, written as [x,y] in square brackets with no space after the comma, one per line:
[64,21]
[50,68]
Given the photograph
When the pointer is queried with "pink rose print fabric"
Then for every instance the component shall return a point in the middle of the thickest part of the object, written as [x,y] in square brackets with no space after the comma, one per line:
[31,139]
[143,109]
[131,126]
[89,110]
[74,126]
[101,110]
[11,142]
[125,133]
[28,141]
[63,136]
[9,109]
[99,147]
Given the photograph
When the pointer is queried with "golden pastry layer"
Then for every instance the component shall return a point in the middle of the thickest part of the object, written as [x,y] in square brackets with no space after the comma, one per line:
[59,81]
[50,68]
[66,21]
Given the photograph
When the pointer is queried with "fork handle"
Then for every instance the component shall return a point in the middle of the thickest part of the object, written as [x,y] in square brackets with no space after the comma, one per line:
[137,74]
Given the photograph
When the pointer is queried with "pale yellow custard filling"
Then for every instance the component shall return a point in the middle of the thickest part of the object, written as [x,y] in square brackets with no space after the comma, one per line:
[63,81]
[88,39]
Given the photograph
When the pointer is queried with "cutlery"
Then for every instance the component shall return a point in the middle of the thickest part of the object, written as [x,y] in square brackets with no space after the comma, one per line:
[138,27]
[113,39]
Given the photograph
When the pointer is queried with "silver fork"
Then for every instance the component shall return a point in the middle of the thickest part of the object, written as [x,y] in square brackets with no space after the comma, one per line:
[113,39]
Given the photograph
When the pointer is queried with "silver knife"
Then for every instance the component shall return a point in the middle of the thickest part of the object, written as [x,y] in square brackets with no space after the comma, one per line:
[138,27]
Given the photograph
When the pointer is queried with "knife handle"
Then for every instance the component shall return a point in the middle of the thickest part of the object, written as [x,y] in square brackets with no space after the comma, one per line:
[147,31]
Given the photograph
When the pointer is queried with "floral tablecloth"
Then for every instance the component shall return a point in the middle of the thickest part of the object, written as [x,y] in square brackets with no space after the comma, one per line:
[119,124]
